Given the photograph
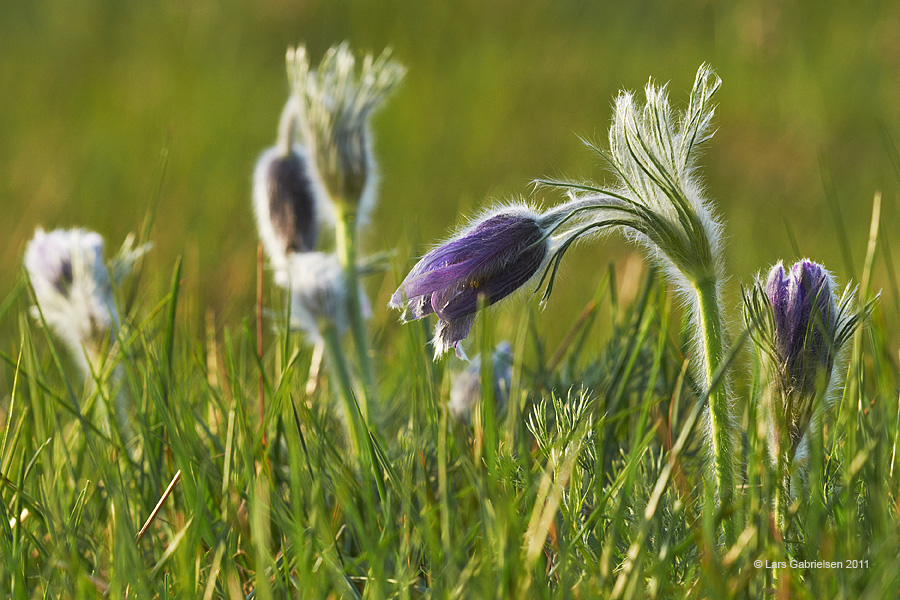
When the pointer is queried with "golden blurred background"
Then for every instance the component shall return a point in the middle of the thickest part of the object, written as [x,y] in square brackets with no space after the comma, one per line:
[497,93]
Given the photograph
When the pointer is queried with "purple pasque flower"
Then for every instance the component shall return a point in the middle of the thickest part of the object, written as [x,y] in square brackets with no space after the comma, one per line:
[494,257]
[806,321]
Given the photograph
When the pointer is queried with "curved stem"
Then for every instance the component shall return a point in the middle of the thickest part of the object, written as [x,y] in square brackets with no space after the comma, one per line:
[713,346]
[346,247]
[287,125]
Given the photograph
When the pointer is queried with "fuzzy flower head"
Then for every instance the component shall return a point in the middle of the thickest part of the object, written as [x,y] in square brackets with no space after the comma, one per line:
[658,201]
[286,201]
[335,103]
[799,326]
[71,285]
[497,255]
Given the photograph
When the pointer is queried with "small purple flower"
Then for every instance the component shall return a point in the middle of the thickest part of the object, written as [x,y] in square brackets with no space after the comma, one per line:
[806,320]
[495,257]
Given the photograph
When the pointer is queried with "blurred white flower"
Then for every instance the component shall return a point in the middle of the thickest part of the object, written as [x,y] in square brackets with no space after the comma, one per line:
[465,394]
[74,295]
[72,287]
[318,292]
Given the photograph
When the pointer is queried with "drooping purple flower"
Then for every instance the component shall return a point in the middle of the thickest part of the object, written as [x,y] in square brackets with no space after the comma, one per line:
[806,320]
[495,257]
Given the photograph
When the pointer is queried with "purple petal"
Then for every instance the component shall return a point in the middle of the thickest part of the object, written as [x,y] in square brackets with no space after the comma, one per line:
[421,306]
[494,258]
[492,243]
[804,312]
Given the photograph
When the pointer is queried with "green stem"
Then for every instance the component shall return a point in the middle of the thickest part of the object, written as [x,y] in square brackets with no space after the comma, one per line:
[346,247]
[342,373]
[782,502]
[783,493]
[713,346]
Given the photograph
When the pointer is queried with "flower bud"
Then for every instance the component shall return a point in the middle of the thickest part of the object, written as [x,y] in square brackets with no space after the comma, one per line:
[286,199]
[805,317]
[799,326]
[284,203]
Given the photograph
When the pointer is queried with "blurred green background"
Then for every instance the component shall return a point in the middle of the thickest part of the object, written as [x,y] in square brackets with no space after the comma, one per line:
[497,92]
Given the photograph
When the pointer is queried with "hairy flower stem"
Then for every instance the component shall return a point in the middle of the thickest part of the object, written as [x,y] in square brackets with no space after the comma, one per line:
[713,347]
[346,248]
[342,374]
[783,494]
[784,452]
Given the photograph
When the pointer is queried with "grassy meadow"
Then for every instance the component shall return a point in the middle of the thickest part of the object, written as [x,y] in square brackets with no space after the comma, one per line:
[234,475]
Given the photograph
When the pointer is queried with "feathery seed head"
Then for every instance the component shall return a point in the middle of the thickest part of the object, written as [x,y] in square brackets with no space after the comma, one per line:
[335,102]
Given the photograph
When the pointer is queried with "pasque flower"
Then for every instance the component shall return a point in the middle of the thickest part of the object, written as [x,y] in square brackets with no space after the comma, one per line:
[74,296]
[287,202]
[805,317]
[799,326]
[659,203]
[493,258]
[71,285]
[335,102]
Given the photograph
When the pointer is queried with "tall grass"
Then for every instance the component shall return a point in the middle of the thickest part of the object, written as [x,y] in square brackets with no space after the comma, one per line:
[588,485]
